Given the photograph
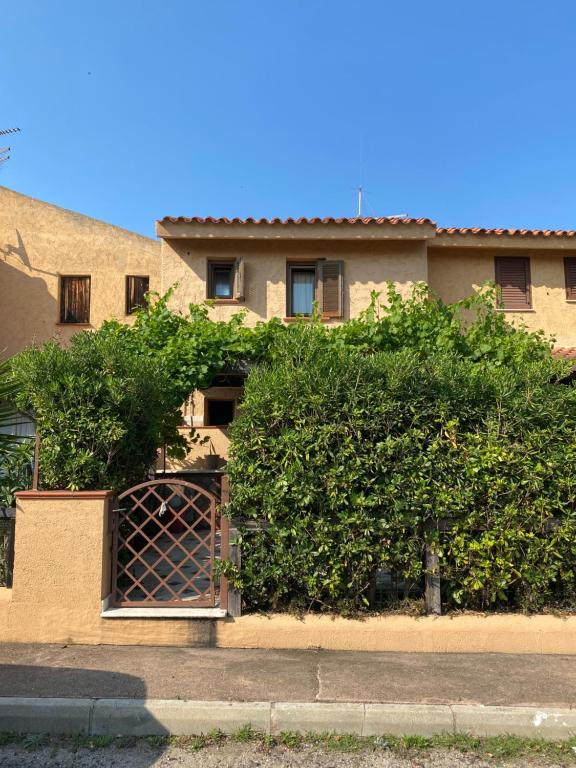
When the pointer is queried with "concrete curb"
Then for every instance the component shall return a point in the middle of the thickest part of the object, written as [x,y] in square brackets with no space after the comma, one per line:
[140,717]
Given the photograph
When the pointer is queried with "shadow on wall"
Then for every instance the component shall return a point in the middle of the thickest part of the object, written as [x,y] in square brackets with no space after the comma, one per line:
[28,311]
[104,718]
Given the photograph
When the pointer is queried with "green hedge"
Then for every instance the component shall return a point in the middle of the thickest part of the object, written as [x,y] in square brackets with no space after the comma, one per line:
[351,453]
[351,443]
[102,409]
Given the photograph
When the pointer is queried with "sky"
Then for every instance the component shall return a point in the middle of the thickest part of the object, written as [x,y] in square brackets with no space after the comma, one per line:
[463,111]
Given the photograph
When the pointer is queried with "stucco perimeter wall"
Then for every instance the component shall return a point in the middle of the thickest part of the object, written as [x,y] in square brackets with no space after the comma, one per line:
[38,243]
[368,266]
[62,572]
[455,272]
[427,634]
[62,569]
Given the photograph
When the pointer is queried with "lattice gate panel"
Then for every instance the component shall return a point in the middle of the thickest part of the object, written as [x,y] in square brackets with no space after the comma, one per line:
[166,539]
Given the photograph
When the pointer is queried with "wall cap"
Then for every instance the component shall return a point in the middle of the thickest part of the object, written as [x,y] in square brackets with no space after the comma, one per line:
[64,494]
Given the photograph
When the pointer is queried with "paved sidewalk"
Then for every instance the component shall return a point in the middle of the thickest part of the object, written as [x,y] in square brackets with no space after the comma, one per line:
[302,676]
[108,690]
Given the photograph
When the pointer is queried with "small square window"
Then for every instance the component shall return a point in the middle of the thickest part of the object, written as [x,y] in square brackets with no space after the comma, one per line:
[219,413]
[137,286]
[75,299]
[220,280]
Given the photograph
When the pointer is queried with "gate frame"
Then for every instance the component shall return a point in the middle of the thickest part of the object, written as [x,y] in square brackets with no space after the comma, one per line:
[218,522]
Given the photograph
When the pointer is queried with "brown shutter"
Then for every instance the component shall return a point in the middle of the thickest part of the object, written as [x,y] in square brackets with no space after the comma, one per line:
[513,280]
[238,289]
[570,273]
[331,294]
[75,300]
[136,289]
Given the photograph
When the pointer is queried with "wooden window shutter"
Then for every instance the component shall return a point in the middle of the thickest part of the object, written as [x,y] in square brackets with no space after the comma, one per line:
[570,273]
[239,291]
[331,284]
[137,287]
[513,280]
[75,299]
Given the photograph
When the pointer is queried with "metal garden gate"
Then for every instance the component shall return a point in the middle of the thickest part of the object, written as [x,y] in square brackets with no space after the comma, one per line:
[167,536]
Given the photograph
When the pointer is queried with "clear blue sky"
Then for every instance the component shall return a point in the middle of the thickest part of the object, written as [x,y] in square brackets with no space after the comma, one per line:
[461,110]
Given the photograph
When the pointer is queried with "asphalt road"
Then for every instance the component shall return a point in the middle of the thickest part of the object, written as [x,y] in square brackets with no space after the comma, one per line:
[232,755]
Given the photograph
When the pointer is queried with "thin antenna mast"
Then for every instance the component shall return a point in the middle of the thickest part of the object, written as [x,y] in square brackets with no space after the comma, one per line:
[359,202]
[3,150]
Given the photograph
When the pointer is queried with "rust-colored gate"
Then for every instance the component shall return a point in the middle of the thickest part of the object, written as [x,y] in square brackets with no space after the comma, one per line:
[168,533]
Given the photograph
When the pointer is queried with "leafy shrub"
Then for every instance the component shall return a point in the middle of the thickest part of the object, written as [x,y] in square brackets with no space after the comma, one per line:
[105,404]
[469,328]
[350,455]
[191,348]
[15,453]
[102,409]
[352,442]
[15,470]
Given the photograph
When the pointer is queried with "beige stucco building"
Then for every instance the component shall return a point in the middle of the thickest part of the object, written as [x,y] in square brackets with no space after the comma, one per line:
[536,269]
[46,251]
[60,270]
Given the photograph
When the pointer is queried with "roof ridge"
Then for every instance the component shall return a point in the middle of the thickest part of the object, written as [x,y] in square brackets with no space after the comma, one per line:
[366,221]
[511,232]
[302,220]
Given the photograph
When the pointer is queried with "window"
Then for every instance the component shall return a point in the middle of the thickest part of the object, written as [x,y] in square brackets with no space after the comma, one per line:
[220,280]
[513,281]
[570,274]
[302,290]
[75,299]
[219,413]
[226,280]
[136,289]
[320,281]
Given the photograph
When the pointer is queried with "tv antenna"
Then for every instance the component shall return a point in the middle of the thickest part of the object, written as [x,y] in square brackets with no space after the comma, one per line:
[361,192]
[4,150]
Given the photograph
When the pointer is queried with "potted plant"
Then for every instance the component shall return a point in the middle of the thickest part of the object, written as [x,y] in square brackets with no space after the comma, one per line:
[212,460]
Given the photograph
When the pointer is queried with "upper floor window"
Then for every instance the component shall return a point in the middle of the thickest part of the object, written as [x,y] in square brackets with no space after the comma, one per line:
[513,282]
[137,286]
[320,282]
[226,280]
[570,274]
[75,299]
[302,291]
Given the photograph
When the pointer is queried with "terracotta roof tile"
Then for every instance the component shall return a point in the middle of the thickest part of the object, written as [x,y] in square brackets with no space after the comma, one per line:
[568,353]
[395,221]
[509,232]
[300,221]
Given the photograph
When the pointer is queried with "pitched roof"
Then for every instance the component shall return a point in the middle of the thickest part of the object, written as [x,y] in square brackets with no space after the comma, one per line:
[356,221]
[509,232]
[394,220]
